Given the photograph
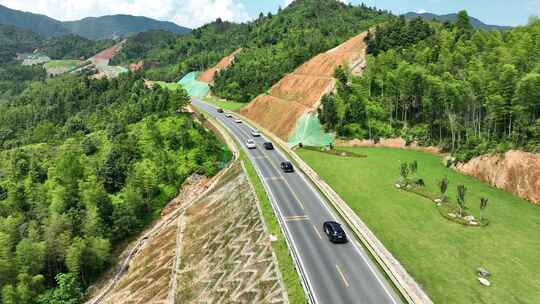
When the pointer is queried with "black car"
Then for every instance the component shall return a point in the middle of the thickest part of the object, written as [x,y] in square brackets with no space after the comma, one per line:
[268,146]
[287,167]
[220,110]
[335,233]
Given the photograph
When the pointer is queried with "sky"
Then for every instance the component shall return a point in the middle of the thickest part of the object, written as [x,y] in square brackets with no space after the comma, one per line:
[194,13]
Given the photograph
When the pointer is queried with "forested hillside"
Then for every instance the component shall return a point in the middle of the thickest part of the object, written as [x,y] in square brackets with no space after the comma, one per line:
[73,47]
[95,28]
[470,91]
[272,45]
[15,40]
[175,56]
[278,44]
[86,164]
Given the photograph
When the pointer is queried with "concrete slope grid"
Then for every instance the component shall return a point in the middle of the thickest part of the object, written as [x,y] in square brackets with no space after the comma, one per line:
[301,91]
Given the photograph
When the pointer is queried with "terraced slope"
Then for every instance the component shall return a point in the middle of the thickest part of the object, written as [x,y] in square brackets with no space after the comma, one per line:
[300,92]
[207,248]
[226,252]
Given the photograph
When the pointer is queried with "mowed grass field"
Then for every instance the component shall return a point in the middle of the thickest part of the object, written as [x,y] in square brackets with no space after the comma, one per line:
[60,64]
[224,104]
[441,255]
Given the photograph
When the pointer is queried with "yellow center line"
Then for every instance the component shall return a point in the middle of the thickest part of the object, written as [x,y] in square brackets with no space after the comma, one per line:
[342,276]
[297,218]
[317,232]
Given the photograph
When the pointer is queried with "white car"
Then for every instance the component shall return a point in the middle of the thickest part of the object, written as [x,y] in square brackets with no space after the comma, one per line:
[255,133]
[228,115]
[237,120]
[250,144]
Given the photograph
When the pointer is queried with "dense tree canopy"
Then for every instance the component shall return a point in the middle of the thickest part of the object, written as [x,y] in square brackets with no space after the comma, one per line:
[85,165]
[272,45]
[73,47]
[471,92]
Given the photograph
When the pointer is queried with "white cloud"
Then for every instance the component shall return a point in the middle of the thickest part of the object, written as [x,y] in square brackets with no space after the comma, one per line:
[191,13]
[422,11]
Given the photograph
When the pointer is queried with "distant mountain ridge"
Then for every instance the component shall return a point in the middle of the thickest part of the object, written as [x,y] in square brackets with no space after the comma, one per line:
[95,28]
[476,23]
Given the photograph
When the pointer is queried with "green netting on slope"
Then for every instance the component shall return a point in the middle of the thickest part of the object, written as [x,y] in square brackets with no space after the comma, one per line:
[309,132]
[194,88]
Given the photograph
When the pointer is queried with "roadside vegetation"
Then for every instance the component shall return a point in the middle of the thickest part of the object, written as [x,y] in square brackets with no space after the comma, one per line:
[272,46]
[469,91]
[295,292]
[225,104]
[441,255]
[85,165]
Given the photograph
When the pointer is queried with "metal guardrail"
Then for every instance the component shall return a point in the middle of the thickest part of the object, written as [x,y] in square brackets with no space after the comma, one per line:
[401,279]
[297,262]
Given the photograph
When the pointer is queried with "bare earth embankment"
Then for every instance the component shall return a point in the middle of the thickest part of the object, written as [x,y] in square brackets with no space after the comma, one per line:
[210,246]
[208,75]
[515,171]
[302,90]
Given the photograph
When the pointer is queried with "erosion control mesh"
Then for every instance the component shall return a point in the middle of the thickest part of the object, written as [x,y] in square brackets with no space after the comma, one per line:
[194,88]
[309,132]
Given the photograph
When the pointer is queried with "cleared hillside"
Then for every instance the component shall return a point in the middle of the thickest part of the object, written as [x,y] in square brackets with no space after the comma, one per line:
[301,91]
[208,75]
[210,246]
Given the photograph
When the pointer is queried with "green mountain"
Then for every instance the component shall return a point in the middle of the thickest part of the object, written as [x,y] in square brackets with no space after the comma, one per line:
[73,47]
[43,25]
[106,27]
[476,23]
[272,45]
[113,27]
[15,40]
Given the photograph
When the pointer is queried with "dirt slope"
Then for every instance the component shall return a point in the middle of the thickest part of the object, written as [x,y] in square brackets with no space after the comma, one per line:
[226,251]
[208,75]
[210,246]
[515,171]
[106,55]
[301,91]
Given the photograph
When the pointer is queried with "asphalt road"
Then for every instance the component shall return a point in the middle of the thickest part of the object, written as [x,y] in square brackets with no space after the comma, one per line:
[336,273]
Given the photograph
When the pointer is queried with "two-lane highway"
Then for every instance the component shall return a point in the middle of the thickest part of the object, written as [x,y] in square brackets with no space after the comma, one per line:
[335,273]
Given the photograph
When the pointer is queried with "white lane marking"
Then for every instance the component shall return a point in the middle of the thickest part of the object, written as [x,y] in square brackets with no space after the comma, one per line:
[334,217]
[317,232]
[342,275]
[280,214]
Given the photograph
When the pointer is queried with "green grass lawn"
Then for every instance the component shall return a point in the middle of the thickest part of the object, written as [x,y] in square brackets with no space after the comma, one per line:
[227,105]
[441,255]
[57,64]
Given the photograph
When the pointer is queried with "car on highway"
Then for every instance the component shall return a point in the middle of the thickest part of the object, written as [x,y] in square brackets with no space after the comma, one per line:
[255,133]
[250,144]
[268,146]
[287,167]
[237,120]
[228,115]
[220,110]
[334,232]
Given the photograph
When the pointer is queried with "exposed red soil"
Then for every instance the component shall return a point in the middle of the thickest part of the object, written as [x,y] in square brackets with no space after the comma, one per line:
[515,171]
[398,143]
[108,54]
[208,75]
[301,91]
